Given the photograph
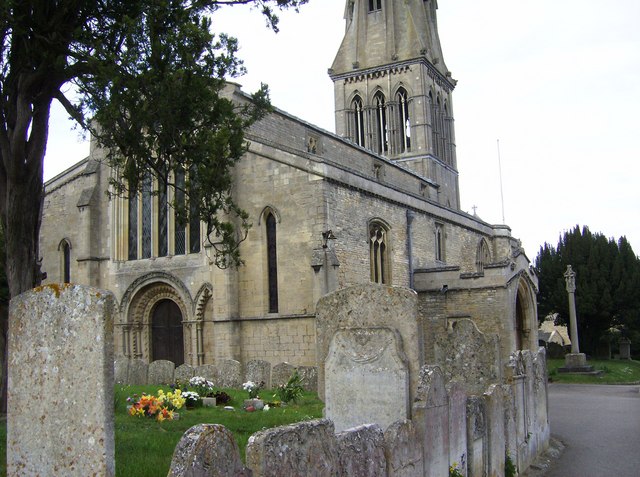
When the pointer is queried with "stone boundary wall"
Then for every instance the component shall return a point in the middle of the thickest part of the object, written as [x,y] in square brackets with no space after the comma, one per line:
[449,429]
[225,373]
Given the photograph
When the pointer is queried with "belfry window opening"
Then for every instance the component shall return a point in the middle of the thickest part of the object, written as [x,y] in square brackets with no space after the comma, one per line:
[358,121]
[375,5]
[382,133]
[403,120]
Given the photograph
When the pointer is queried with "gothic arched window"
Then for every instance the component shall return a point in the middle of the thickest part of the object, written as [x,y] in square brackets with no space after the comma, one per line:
[65,259]
[483,256]
[439,242]
[272,262]
[378,251]
[146,216]
[358,121]
[133,227]
[382,141]
[404,121]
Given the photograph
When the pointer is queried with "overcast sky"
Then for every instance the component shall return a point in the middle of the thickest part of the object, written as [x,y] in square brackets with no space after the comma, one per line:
[557,82]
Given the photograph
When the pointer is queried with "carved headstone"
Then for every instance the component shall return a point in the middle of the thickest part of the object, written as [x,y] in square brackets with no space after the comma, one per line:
[258,370]
[367,378]
[306,448]
[361,451]
[207,450]
[229,373]
[161,372]
[60,353]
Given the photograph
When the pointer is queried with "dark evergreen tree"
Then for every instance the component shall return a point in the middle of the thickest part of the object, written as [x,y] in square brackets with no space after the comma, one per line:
[607,287]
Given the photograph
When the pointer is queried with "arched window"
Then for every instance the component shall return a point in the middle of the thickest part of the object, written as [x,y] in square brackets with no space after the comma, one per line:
[382,141]
[65,261]
[378,251]
[163,221]
[146,216]
[272,262]
[439,242]
[133,227]
[358,121]
[435,131]
[404,121]
[483,255]
[180,236]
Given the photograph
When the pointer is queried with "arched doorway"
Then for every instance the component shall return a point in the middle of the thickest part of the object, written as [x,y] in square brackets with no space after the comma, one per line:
[167,340]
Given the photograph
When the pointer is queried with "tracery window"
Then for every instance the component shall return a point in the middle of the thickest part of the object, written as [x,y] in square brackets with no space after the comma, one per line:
[378,250]
[272,262]
[358,121]
[404,120]
[483,255]
[382,139]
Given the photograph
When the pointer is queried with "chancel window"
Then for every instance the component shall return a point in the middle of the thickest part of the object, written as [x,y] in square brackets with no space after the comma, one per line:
[154,227]
[382,139]
[272,262]
[375,5]
[378,250]
[404,121]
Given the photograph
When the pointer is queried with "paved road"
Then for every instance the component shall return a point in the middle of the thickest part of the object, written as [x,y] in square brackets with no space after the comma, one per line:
[600,426]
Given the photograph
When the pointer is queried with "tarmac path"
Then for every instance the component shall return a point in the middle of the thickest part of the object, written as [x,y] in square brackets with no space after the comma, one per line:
[600,427]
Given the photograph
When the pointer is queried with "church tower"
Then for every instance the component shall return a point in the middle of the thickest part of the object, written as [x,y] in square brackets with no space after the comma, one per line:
[393,89]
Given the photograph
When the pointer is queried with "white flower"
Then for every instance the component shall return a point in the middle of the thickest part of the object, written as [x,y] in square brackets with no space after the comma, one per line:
[266,407]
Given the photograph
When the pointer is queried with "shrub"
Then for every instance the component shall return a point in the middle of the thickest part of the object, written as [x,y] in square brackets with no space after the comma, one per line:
[292,391]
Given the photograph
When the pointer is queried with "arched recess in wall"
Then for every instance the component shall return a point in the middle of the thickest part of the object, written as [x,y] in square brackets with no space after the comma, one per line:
[525,314]
[156,307]
[64,247]
[204,325]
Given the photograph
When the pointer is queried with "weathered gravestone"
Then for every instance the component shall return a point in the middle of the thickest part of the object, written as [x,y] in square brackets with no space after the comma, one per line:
[138,372]
[281,373]
[257,371]
[60,402]
[403,450]
[309,377]
[229,373]
[477,453]
[184,373]
[121,370]
[367,378]
[207,450]
[161,372]
[458,427]
[208,371]
[369,350]
[361,452]
[307,448]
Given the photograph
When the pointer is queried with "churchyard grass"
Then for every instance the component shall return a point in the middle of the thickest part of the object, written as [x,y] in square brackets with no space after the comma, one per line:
[615,372]
[144,446]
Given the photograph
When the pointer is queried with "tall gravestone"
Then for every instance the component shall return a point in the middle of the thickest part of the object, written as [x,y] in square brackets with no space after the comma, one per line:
[369,354]
[60,401]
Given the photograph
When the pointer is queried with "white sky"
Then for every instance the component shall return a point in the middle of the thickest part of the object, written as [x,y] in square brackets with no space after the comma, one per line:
[557,82]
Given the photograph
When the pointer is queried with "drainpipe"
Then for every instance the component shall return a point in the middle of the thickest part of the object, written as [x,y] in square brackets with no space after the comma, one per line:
[410,216]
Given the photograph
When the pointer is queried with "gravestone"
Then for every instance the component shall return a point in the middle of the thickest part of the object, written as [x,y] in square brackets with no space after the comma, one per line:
[229,373]
[371,306]
[356,443]
[477,447]
[494,413]
[431,418]
[258,370]
[208,371]
[403,450]
[281,373]
[625,348]
[138,371]
[161,372]
[308,448]
[207,450]
[367,378]
[60,402]
[184,373]
[309,378]
[458,427]
[121,370]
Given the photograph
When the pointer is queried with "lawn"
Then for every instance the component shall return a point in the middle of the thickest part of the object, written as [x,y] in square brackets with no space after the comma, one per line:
[615,372]
[144,447]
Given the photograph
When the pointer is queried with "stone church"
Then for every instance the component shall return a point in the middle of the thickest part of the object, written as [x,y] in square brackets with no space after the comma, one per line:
[378,201]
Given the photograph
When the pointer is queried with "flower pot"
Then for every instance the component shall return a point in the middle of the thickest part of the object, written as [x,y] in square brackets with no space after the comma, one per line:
[209,402]
[256,404]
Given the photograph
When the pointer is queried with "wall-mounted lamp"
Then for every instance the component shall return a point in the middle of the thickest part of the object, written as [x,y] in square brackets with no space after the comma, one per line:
[326,236]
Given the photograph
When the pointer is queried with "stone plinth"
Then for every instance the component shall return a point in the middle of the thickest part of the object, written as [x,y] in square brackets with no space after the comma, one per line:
[60,400]
[576,363]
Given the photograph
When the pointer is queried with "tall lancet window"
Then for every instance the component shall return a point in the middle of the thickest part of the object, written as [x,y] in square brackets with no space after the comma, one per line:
[404,122]
[382,141]
[147,206]
[133,226]
[65,247]
[378,253]
[375,5]
[358,121]
[272,263]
